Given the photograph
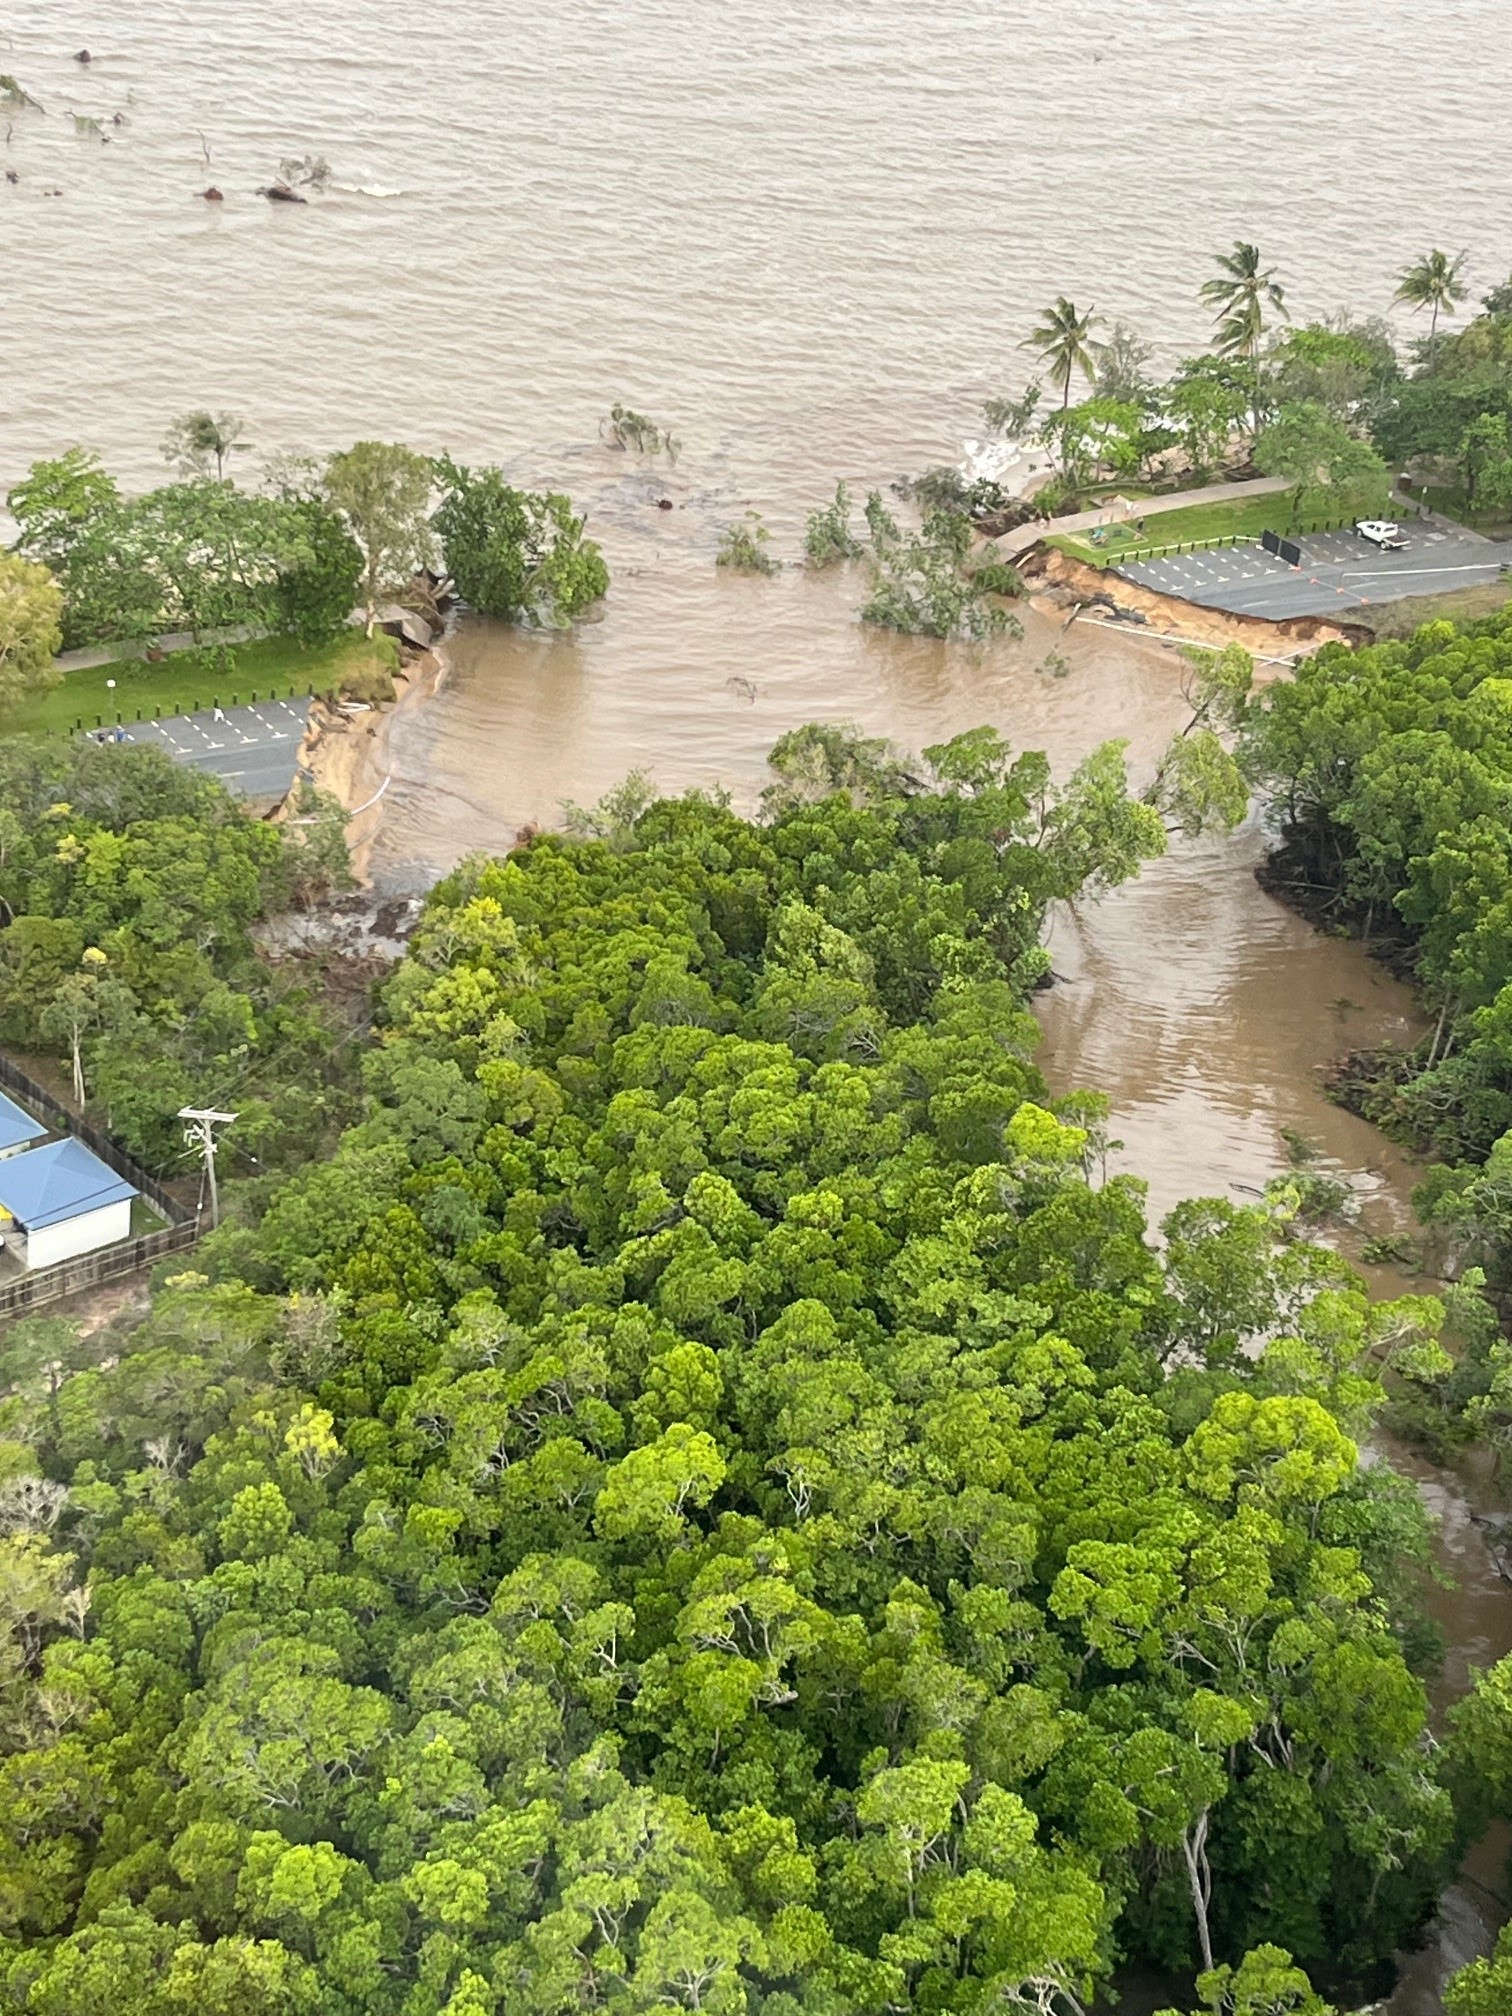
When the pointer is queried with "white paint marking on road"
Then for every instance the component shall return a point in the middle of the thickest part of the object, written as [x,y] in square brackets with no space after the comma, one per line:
[1427,573]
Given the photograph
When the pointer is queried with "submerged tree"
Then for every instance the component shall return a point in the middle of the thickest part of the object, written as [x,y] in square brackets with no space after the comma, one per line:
[15,94]
[625,428]
[518,555]
[200,442]
[925,584]
[743,548]
[1198,785]
[827,537]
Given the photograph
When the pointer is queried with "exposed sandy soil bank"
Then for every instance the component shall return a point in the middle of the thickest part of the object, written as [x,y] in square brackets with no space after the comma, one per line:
[347,754]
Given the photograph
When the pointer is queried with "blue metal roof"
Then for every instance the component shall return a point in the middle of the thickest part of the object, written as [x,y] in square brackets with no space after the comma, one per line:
[47,1185]
[17,1125]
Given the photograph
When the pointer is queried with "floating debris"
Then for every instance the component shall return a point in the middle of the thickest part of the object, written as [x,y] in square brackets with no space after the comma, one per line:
[745,688]
[213,195]
[16,94]
[304,171]
[83,56]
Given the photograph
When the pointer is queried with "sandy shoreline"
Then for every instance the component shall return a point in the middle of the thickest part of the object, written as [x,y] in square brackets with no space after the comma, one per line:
[348,754]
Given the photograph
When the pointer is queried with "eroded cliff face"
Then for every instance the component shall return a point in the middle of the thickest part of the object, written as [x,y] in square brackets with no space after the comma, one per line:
[1071,584]
[346,752]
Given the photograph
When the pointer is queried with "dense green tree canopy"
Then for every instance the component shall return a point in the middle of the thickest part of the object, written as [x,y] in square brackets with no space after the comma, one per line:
[702,1501]
[31,624]
[1320,458]
[382,491]
[200,556]
[129,889]
[1390,770]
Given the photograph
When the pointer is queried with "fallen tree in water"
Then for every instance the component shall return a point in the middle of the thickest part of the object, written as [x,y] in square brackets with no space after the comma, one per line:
[930,584]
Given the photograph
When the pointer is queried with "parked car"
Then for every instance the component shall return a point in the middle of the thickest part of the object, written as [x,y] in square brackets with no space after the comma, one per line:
[1382,534]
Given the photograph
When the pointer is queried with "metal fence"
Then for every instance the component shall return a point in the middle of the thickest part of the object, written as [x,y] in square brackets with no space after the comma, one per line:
[93,1270]
[46,1107]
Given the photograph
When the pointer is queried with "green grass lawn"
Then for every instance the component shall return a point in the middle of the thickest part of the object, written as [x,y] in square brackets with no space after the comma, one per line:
[180,684]
[1243,518]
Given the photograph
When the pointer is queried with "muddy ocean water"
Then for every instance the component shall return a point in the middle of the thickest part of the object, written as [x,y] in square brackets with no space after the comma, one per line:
[808,238]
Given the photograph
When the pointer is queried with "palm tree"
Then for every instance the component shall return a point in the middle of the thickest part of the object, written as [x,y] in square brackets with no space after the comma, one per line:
[1240,294]
[1433,282]
[1063,339]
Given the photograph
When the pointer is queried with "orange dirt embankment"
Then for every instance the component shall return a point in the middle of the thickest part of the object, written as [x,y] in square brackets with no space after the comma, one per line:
[1055,578]
[347,754]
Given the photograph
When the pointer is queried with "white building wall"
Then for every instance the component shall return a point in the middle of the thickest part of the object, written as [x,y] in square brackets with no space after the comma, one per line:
[79,1235]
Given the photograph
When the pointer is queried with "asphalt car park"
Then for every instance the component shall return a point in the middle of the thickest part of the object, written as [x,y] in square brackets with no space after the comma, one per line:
[253,750]
[1339,571]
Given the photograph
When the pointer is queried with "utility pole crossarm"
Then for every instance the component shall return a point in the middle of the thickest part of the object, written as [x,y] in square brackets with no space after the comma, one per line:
[200,1123]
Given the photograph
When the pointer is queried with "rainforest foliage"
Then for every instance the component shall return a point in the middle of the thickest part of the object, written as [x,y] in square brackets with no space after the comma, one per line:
[129,890]
[1390,772]
[706,1501]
